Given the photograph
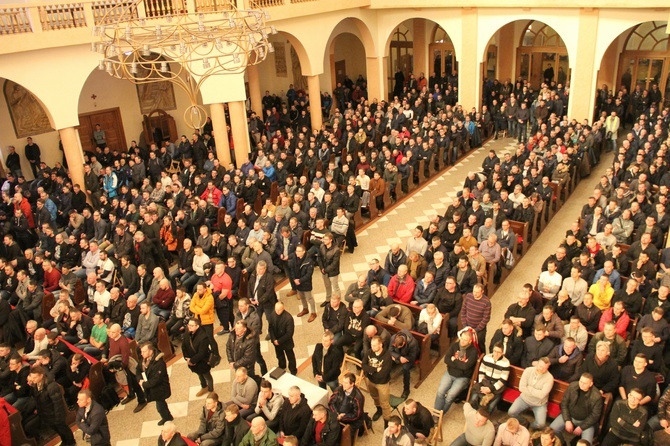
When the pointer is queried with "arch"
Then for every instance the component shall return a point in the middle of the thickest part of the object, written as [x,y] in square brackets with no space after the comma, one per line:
[648,36]
[357,27]
[299,48]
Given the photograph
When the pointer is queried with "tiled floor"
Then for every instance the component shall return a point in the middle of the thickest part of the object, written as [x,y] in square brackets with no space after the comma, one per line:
[130,429]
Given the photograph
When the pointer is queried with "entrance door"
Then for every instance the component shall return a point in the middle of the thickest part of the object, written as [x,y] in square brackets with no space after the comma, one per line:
[110,122]
[340,70]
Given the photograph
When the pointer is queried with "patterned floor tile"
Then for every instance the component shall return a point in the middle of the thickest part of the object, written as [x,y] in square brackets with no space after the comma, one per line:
[179,410]
[131,442]
[151,428]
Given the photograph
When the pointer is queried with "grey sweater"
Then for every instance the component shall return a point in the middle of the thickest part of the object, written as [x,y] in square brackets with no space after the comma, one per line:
[244,393]
[477,435]
[534,387]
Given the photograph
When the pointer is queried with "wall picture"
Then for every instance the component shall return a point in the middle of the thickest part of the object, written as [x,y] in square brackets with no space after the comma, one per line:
[281,70]
[28,115]
[155,95]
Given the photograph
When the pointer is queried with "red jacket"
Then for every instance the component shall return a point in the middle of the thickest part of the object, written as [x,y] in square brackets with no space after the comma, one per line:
[401,292]
[621,324]
[51,280]
[27,212]
[216,196]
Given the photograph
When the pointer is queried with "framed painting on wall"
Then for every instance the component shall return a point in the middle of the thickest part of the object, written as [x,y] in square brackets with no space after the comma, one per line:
[28,116]
[155,95]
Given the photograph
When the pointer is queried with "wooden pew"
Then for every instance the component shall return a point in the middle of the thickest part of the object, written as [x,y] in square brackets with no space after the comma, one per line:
[345,435]
[274,191]
[163,342]
[48,301]
[220,215]
[244,280]
[424,362]
[521,231]
[556,200]
[79,295]
[19,437]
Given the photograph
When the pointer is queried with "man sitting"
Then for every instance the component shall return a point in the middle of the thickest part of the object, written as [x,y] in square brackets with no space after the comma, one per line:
[619,316]
[461,360]
[417,419]
[268,405]
[244,392]
[212,423]
[512,433]
[565,360]
[404,351]
[580,409]
[535,385]
[322,429]
[628,420]
[396,433]
[492,377]
[397,315]
[295,415]
[536,346]
[348,403]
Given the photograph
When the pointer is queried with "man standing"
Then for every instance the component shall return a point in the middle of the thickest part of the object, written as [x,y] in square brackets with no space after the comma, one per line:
[155,381]
[476,312]
[50,405]
[92,420]
[326,361]
[328,259]
[202,307]
[580,409]
[461,360]
[196,349]
[281,328]
[300,269]
[222,284]
[536,383]
[33,155]
[377,366]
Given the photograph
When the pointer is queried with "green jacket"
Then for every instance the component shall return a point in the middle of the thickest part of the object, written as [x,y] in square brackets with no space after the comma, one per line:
[269,439]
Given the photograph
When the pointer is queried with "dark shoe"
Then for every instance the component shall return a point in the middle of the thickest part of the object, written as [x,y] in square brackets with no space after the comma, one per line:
[223,332]
[217,361]
[405,394]
[267,338]
[139,407]
[323,305]
[127,399]
[162,422]
[377,414]
[302,313]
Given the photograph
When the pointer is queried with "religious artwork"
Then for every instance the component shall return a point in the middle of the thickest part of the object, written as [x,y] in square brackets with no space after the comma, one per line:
[299,81]
[28,115]
[155,95]
[281,70]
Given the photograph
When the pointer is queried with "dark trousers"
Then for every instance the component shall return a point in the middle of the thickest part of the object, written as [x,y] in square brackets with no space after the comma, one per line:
[163,410]
[260,361]
[206,380]
[224,311]
[347,340]
[612,440]
[209,329]
[174,326]
[379,202]
[64,432]
[134,387]
[284,354]
[404,185]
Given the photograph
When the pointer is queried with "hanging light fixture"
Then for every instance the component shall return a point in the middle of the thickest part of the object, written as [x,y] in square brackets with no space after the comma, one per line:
[181,46]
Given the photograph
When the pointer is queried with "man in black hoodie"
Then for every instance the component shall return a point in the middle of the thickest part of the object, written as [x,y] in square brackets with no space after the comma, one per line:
[377,366]
[417,419]
[50,405]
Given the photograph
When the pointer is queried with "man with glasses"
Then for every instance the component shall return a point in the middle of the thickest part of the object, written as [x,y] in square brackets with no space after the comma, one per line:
[627,420]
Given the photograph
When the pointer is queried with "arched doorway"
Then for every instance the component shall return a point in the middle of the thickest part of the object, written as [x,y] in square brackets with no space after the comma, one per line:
[542,56]
[422,46]
[645,60]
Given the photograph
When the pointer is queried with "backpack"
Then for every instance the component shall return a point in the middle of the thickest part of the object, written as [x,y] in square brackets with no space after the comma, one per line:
[109,399]
[508,258]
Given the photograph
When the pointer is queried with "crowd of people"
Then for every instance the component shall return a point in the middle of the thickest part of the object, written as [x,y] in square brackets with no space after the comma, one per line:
[150,245]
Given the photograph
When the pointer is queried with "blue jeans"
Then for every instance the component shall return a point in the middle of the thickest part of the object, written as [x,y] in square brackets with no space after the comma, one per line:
[448,390]
[540,412]
[165,314]
[654,423]
[460,441]
[559,426]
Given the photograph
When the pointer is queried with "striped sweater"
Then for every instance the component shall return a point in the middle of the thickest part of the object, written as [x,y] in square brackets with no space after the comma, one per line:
[496,372]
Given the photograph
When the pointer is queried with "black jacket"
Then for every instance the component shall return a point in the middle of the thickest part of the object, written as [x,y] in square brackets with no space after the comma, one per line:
[594,405]
[94,424]
[513,348]
[605,376]
[328,367]
[409,351]
[293,419]
[334,320]
[301,269]
[157,383]
[265,290]
[281,329]
[49,402]
[196,348]
[330,434]
[420,421]
[234,432]
[242,351]
[352,406]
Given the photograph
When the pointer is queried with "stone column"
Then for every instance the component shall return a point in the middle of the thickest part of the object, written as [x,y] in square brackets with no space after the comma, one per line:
[376,68]
[74,155]
[583,78]
[220,126]
[469,63]
[255,90]
[420,48]
[240,130]
[314,90]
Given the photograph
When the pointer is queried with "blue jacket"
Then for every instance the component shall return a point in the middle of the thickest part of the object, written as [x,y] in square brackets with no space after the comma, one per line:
[110,183]
[230,203]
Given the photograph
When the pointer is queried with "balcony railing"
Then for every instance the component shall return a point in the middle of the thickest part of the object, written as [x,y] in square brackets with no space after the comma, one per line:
[212,5]
[108,11]
[14,21]
[66,16]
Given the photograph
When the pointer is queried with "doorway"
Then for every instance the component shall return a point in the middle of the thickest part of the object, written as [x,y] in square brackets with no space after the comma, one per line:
[110,121]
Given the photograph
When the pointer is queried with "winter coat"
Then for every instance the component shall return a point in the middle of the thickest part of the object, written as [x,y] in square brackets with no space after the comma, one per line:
[49,402]
[203,307]
[293,419]
[301,269]
[330,434]
[156,386]
[241,352]
[196,349]
[212,428]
